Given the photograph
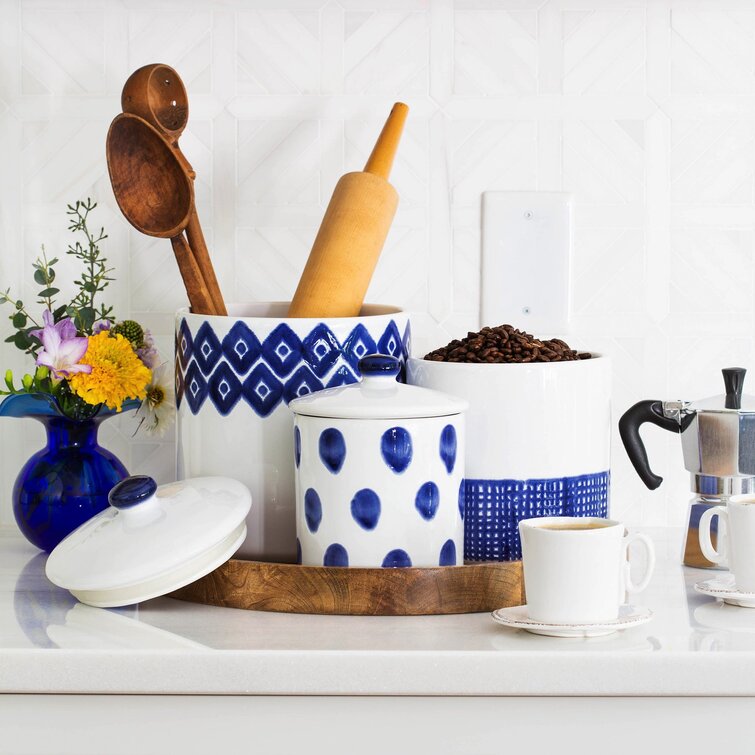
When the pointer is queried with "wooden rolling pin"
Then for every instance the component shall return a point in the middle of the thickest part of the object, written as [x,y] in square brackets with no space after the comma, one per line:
[352,233]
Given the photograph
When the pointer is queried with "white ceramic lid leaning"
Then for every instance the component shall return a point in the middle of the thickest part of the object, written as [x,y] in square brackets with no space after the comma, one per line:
[378,396]
[151,540]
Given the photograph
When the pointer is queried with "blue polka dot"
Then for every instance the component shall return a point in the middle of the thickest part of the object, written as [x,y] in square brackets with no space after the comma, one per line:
[396,447]
[335,555]
[448,447]
[396,558]
[297,446]
[332,449]
[462,498]
[298,551]
[448,554]
[312,509]
[427,500]
[365,508]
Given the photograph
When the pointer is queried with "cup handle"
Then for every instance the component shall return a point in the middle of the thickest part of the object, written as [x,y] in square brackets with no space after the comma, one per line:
[629,585]
[706,545]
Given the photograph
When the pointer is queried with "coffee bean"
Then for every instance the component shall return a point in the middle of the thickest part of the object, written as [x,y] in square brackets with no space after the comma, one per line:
[505,343]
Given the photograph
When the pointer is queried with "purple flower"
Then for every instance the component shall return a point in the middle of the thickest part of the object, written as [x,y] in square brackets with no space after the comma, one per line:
[148,352]
[100,326]
[62,348]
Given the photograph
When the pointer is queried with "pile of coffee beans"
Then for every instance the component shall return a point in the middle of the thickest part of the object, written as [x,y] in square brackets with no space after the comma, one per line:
[505,344]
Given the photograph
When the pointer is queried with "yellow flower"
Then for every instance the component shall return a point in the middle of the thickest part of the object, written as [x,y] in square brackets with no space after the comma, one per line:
[117,372]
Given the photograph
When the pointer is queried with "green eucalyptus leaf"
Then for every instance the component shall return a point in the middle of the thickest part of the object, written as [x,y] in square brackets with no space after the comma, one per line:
[39,277]
[87,316]
[19,320]
[48,292]
[21,340]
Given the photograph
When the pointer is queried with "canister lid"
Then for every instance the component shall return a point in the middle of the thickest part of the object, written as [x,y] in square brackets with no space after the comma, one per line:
[378,396]
[151,540]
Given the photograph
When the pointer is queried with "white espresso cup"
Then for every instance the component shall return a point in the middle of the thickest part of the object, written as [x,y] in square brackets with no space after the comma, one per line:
[576,569]
[736,551]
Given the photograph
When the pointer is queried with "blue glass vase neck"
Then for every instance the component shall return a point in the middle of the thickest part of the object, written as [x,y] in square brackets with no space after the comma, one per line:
[63,432]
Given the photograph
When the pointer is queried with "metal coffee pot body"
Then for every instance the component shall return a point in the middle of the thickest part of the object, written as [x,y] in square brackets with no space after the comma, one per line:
[718,444]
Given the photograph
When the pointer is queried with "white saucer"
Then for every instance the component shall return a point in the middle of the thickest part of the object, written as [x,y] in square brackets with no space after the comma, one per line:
[725,587]
[518,618]
[715,614]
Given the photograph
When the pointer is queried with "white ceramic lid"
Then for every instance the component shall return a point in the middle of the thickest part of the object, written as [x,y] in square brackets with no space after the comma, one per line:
[151,540]
[378,396]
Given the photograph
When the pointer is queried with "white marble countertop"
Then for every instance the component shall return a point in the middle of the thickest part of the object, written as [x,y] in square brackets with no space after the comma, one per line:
[50,643]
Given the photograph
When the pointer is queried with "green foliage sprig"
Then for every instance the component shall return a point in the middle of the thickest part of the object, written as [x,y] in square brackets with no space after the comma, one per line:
[94,279]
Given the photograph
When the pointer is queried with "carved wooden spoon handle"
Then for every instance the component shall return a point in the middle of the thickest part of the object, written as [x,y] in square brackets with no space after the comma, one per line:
[196,288]
[202,257]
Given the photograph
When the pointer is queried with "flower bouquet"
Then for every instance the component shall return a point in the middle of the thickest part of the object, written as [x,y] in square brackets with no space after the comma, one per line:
[88,366]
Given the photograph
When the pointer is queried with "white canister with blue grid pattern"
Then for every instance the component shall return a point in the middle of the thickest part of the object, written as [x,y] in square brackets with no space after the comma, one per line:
[538,444]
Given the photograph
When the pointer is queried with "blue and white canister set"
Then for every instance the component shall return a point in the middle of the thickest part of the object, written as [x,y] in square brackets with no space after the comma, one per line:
[379,470]
[379,473]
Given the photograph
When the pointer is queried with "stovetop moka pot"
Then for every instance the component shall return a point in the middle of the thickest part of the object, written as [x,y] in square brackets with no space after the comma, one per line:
[718,443]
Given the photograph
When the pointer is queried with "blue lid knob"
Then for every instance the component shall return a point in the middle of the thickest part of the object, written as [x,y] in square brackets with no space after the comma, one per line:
[379,365]
[132,491]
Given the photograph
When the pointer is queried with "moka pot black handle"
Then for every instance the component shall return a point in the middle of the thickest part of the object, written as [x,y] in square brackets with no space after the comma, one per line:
[629,430]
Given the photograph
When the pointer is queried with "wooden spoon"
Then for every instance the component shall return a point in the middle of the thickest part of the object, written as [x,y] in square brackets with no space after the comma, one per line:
[155,195]
[156,93]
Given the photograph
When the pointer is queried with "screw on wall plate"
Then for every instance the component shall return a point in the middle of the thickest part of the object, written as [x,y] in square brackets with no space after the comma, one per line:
[526,310]
[529,215]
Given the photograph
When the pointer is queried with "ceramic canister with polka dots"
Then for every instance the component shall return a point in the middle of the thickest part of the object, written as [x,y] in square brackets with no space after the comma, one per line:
[379,468]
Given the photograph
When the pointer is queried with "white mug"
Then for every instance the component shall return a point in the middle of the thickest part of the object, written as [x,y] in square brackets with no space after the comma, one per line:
[737,550]
[576,569]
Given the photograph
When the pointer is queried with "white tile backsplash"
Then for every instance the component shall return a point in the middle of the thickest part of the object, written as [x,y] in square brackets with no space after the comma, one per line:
[643,109]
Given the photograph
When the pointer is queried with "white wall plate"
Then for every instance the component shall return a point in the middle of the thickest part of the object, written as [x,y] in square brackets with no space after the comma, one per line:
[526,247]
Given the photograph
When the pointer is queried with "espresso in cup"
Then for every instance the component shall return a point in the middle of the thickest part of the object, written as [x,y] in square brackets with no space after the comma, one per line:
[580,525]
[576,569]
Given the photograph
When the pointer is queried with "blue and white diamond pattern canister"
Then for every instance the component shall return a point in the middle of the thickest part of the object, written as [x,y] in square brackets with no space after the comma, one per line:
[235,376]
[379,467]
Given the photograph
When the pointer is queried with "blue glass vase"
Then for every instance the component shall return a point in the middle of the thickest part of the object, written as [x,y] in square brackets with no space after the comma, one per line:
[67,482]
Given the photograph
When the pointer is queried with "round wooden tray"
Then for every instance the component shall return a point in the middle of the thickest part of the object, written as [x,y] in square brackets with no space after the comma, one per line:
[261,586]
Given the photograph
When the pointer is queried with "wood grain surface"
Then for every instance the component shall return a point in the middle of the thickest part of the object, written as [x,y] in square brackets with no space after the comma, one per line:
[259,586]
[383,153]
[157,94]
[155,194]
[347,247]
[352,234]
[152,189]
